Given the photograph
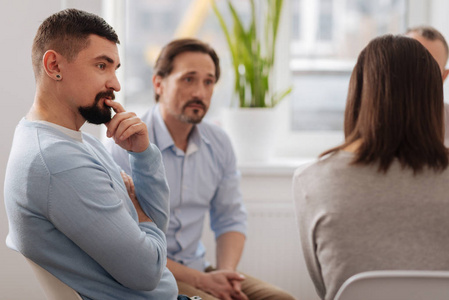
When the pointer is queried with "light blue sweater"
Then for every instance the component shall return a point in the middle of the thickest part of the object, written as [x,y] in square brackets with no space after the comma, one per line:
[69,211]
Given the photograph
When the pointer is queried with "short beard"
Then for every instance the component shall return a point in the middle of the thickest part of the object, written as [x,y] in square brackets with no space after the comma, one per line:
[195,119]
[94,114]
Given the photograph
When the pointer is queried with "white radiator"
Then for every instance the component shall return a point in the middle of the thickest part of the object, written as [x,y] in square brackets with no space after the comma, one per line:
[272,251]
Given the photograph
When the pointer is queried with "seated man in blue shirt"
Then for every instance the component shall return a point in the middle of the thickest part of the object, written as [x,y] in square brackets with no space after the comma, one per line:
[202,176]
[68,207]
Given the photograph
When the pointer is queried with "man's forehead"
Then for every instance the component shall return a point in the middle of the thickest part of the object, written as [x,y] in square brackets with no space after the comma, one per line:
[193,62]
[99,46]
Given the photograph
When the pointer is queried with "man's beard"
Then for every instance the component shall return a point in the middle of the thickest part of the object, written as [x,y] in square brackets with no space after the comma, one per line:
[95,114]
[192,119]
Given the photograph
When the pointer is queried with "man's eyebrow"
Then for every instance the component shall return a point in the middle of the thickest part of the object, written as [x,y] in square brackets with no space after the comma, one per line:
[195,72]
[108,59]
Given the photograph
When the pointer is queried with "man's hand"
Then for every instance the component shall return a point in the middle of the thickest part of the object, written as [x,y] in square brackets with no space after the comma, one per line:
[220,284]
[237,285]
[132,194]
[127,130]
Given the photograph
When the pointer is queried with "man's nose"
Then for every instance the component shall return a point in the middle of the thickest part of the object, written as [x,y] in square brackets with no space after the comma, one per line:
[200,91]
[113,83]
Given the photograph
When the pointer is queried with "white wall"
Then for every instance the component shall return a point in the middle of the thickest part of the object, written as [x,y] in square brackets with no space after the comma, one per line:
[19,21]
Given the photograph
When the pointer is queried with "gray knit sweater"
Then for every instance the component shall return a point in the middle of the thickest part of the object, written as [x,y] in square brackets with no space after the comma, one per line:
[353,219]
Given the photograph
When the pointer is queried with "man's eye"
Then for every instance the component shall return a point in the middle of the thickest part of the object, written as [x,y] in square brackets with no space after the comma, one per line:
[188,79]
[102,66]
[209,82]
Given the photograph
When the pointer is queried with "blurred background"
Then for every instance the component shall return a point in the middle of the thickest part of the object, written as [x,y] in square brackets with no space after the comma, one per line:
[319,42]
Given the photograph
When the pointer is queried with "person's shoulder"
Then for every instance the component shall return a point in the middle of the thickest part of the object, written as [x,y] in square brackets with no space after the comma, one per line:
[52,140]
[61,153]
[92,140]
[214,134]
[301,169]
[44,146]
[329,164]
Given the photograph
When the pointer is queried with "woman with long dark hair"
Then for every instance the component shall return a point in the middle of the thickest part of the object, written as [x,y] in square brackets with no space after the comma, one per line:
[381,199]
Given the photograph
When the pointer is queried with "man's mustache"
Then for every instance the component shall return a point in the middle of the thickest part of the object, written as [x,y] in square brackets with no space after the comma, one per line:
[107,94]
[195,101]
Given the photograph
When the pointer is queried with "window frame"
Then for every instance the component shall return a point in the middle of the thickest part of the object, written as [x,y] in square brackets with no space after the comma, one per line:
[293,144]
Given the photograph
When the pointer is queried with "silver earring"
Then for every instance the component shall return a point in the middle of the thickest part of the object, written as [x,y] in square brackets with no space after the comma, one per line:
[58,76]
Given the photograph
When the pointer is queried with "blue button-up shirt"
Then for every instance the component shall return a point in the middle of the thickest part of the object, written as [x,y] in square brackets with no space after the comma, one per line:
[204,178]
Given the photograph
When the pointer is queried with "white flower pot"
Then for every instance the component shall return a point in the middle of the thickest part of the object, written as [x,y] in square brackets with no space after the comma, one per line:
[253,132]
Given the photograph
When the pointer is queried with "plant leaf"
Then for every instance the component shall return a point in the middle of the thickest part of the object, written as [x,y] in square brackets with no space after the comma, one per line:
[281,95]
[253,84]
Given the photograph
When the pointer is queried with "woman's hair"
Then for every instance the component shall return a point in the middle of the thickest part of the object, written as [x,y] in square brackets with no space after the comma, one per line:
[395,106]
[164,63]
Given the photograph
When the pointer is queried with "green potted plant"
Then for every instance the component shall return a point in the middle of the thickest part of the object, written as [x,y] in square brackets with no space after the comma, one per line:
[253,54]
[253,126]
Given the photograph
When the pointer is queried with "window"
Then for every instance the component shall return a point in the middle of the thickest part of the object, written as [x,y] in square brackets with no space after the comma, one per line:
[326,38]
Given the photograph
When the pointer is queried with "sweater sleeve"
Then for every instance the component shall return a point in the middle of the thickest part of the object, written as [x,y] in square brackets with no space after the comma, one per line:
[151,185]
[94,212]
[148,173]
[307,220]
[120,155]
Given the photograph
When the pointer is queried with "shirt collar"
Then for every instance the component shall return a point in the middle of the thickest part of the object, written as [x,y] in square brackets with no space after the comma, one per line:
[162,137]
[164,140]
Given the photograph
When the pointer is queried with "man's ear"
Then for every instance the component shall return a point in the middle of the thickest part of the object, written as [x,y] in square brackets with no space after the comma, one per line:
[445,73]
[51,62]
[157,84]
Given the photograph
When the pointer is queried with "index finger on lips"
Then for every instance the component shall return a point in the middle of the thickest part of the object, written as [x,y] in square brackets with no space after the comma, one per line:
[117,107]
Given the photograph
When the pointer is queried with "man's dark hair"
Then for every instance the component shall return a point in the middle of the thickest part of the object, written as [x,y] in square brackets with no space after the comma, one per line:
[395,106]
[67,32]
[164,63]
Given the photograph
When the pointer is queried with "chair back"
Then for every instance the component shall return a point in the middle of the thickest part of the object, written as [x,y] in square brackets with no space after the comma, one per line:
[54,289]
[396,285]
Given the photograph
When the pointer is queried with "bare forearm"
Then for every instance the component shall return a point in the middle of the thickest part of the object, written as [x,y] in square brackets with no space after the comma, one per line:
[229,250]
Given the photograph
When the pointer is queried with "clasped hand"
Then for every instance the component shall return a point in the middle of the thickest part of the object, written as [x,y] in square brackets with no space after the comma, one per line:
[225,285]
